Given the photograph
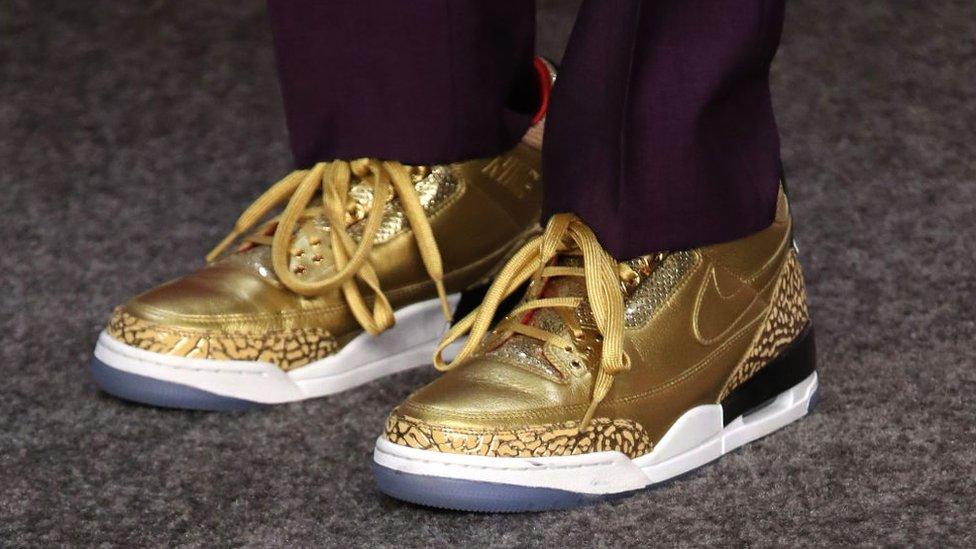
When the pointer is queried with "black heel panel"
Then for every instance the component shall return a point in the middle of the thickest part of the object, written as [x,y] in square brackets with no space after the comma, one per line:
[792,366]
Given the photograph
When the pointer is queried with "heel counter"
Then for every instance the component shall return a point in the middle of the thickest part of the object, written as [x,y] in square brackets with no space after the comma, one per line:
[786,319]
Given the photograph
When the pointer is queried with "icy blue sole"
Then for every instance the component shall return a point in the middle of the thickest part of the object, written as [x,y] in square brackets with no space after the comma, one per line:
[166,394]
[471,495]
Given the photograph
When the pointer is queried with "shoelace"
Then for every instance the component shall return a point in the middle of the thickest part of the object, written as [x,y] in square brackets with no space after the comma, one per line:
[602,278]
[351,258]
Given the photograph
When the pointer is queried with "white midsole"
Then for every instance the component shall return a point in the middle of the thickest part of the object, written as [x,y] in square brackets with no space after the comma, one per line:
[410,343]
[696,438]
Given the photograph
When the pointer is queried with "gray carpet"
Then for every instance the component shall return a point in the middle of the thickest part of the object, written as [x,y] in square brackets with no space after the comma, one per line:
[133,133]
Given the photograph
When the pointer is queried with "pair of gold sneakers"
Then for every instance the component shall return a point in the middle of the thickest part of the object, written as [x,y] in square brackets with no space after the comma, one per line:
[605,376]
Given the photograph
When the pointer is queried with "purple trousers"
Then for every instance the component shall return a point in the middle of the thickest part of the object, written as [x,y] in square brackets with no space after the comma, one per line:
[660,132]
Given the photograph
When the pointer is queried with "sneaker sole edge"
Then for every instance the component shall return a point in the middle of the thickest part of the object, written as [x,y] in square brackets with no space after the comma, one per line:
[700,436]
[170,381]
[165,394]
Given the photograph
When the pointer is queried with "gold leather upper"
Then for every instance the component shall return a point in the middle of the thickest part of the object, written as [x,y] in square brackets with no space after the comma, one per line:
[696,324]
[237,308]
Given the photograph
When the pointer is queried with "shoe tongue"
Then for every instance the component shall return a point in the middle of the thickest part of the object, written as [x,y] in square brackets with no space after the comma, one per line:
[562,286]
[658,275]
[434,186]
[528,352]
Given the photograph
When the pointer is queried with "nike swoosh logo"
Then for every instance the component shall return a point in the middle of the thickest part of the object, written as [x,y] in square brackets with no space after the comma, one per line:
[716,311]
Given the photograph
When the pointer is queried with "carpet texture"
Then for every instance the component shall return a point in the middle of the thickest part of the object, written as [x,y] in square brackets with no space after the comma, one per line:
[133,133]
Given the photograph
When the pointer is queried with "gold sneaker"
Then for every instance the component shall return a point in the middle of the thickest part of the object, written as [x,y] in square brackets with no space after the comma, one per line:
[355,279]
[608,377]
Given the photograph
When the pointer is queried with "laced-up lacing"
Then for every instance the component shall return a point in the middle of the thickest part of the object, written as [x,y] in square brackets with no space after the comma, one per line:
[602,276]
[351,258]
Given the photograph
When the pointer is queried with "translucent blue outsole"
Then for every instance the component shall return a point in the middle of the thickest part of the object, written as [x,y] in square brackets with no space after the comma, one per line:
[156,392]
[471,495]
[491,497]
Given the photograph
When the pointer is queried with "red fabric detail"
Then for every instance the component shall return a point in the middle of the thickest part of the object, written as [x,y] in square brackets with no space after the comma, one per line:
[545,88]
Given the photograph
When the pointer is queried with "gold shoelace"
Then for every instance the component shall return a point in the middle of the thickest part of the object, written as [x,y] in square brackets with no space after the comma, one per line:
[351,258]
[602,278]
